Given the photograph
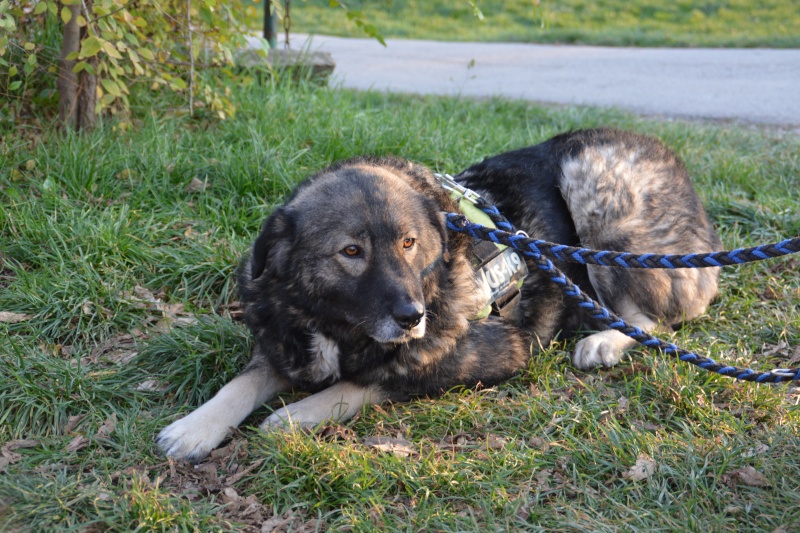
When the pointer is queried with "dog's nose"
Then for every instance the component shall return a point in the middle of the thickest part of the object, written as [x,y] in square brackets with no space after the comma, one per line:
[408,315]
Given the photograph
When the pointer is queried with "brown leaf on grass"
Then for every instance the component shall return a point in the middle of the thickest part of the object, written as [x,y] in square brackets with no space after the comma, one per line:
[788,264]
[107,428]
[197,185]
[770,293]
[20,443]
[399,447]
[7,317]
[622,371]
[47,468]
[230,480]
[8,456]
[151,385]
[495,442]
[336,433]
[756,450]
[460,439]
[233,309]
[549,479]
[646,426]
[622,405]
[294,521]
[795,358]
[643,469]
[78,443]
[543,479]
[72,423]
[750,476]
[117,342]
[121,357]
[91,308]
[458,442]
[172,315]
[540,443]
[781,348]
[171,321]
[141,297]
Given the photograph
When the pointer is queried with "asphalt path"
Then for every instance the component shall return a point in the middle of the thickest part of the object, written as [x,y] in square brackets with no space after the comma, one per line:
[750,85]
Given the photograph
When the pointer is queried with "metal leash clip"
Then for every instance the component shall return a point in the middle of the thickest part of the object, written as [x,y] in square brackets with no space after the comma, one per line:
[451,185]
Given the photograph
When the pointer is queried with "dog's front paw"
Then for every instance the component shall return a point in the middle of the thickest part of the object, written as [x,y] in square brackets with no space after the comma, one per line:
[604,348]
[191,438]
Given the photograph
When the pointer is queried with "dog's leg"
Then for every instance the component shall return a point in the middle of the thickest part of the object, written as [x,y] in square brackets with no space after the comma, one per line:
[195,435]
[339,402]
[606,347]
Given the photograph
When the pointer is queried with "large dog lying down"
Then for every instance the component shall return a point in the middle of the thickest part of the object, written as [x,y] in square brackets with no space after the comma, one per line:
[356,291]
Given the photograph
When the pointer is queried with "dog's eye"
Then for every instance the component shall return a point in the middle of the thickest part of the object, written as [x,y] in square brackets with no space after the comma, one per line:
[408,242]
[352,250]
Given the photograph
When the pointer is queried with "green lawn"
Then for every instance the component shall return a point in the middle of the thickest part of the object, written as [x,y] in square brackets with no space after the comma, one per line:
[117,251]
[727,23]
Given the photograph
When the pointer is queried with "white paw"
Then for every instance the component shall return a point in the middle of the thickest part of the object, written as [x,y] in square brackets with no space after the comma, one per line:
[604,348]
[191,438]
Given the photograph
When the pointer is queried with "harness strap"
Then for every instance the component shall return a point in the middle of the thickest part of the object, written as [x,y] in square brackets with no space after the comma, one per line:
[500,270]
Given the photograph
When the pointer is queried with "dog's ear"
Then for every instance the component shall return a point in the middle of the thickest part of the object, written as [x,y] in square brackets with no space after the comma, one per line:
[272,247]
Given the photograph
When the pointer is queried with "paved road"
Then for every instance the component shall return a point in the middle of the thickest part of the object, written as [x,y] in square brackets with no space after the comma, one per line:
[753,85]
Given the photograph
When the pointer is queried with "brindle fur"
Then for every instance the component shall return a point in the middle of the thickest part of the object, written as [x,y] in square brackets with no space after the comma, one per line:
[394,321]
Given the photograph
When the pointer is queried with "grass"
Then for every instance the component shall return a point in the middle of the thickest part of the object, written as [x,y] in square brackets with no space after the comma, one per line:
[119,271]
[723,23]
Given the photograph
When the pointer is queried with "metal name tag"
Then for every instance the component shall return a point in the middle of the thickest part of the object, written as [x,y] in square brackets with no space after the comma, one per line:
[502,274]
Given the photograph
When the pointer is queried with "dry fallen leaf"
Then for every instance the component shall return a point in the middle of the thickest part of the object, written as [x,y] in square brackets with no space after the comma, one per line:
[108,427]
[795,358]
[495,442]
[197,185]
[538,442]
[13,318]
[757,450]
[750,477]
[771,349]
[399,447]
[8,456]
[78,443]
[151,385]
[230,480]
[622,405]
[72,423]
[643,469]
[543,479]
[20,443]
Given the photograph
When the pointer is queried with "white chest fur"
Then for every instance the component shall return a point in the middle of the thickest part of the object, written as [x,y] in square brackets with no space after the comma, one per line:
[326,358]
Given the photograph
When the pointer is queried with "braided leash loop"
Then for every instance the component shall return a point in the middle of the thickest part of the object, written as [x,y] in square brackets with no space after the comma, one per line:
[534,249]
[586,256]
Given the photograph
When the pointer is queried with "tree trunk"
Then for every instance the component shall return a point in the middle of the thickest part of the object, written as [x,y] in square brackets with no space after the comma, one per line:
[77,93]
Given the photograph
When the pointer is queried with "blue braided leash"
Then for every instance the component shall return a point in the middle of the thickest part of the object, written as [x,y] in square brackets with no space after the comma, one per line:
[506,234]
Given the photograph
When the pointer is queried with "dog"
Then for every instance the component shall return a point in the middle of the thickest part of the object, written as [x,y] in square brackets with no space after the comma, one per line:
[356,292]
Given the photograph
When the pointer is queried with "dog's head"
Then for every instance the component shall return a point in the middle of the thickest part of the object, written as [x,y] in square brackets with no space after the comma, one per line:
[358,245]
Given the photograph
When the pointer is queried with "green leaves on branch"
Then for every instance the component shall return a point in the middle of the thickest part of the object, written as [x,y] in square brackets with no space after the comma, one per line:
[158,43]
[360,21]
[90,47]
